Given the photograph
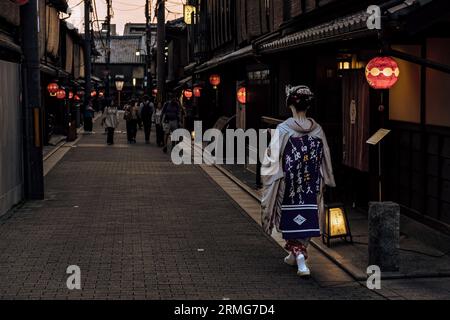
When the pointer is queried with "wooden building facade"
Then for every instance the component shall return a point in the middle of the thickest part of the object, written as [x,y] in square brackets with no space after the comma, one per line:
[267,44]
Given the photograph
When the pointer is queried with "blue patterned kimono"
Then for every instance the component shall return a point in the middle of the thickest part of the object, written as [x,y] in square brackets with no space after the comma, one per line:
[302,159]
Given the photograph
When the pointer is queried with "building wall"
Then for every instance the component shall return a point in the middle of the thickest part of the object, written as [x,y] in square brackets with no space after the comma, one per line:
[404,97]
[10,12]
[11,176]
[438,84]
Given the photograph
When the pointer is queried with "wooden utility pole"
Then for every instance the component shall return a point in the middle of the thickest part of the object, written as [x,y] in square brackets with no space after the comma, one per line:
[32,109]
[161,47]
[148,66]
[87,52]
[108,53]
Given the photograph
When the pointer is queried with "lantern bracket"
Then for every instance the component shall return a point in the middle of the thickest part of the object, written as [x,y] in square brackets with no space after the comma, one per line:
[420,61]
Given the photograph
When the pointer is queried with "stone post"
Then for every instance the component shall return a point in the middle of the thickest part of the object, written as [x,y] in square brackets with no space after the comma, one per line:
[384,235]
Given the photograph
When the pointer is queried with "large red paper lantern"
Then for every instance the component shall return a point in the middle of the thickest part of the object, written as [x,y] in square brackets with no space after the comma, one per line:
[214,80]
[53,88]
[197,92]
[187,93]
[61,94]
[382,73]
[242,95]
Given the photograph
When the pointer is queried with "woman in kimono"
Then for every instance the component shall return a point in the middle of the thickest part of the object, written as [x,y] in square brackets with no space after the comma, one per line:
[296,168]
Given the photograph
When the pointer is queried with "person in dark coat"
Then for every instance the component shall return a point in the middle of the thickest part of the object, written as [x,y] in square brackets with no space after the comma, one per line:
[146,112]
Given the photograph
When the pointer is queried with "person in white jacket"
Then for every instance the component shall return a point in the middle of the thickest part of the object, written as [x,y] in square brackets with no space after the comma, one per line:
[110,121]
[296,168]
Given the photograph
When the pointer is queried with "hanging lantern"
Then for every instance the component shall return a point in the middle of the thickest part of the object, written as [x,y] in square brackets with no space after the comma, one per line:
[53,88]
[21,2]
[61,94]
[77,98]
[70,95]
[214,80]
[197,92]
[188,93]
[336,224]
[93,93]
[242,95]
[101,94]
[154,92]
[382,72]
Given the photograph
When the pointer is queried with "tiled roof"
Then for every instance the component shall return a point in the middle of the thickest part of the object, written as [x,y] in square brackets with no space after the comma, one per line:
[349,25]
[123,50]
[229,57]
[338,27]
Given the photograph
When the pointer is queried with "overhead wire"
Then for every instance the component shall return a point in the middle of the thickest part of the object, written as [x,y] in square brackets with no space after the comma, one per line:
[99,30]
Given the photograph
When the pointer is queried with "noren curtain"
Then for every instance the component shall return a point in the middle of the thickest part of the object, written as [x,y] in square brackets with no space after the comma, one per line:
[69,54]
[52,31]
[356,120]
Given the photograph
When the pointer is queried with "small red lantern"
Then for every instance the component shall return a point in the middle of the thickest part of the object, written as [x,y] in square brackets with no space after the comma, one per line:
[77,98]
[21,2]
[214,80]
[61,94]
[101,94]
[53,88]
[188,93]
[382,73]
[154,92]
[70,95]
[197,92]
[93,93]
[242,95]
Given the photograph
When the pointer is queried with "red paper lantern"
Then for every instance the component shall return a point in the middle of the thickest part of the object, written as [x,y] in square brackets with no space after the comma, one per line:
[70,95]
[214,80]
[77,98]
[197,92]
[93,93]
[61,94]
[382,73]
[101,94]
[242,95]
[53,88]
[154,92]
[188,93]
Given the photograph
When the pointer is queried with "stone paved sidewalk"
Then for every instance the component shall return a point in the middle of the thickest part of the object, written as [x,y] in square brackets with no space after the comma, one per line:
[134,223]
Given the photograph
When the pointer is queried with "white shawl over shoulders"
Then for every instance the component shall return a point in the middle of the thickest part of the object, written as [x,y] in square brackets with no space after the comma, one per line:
[273,176]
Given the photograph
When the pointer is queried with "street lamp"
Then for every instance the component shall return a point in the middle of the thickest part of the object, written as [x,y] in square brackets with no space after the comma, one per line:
[120,80]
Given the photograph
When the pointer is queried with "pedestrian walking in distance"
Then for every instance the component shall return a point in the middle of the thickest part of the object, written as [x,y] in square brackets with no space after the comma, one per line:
[139,119]
[131,117]
[170,119]
[296,168]
[88,118]
[157,120]
[110,121]
[146,112]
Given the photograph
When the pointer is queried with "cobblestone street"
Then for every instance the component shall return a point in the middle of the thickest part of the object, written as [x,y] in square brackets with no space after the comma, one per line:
[141,228]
